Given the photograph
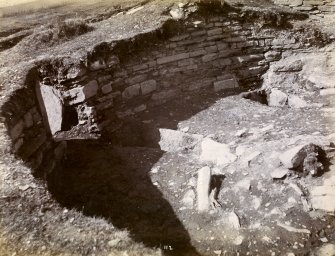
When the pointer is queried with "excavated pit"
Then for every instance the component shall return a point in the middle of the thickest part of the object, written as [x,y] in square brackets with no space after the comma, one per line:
[92,129]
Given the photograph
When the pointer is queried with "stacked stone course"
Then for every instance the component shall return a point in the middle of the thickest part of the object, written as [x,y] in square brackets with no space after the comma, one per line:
[310,6]
[115,82]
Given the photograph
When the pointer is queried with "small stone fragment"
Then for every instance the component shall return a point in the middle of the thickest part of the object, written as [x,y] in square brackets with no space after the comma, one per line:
[233,220]
[188,199]
[239,240]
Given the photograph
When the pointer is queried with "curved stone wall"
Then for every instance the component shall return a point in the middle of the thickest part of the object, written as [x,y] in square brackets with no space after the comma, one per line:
[65,99]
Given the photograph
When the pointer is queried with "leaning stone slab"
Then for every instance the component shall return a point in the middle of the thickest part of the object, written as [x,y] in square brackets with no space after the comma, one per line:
[216,153]
[173,141]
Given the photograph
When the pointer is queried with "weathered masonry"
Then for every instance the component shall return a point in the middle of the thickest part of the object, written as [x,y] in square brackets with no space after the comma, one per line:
[311,6]
[67,99]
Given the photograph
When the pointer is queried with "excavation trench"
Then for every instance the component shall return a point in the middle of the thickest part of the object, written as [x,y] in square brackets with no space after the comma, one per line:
[92,128]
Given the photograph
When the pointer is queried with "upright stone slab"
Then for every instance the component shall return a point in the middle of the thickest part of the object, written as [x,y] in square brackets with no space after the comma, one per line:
[52,108]
[204,177]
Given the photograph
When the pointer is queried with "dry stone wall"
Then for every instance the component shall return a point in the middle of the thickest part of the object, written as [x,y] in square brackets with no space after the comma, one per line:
[28,133]
[65,99]
[184,57]
[310,6]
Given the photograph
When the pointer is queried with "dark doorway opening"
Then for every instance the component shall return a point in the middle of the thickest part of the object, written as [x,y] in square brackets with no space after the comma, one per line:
[70,118]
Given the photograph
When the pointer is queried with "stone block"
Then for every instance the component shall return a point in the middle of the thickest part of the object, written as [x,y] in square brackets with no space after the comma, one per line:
[80,94]
[289,2]
[197,85]
[131,91]
[140,108]
[172,58]
[148,86]
[250,58]
[174,141]
[277,98]
[210,57]
[104,105]
[225,84]
[313,2]
[136,79]
[236,39]
[327,8]
[104,79]
[272,56]
[304,8]
[106,88]
[222,46]
[17,130]
[28,149]
[214,32]
[211,49]
[203,188]
[179,38]
[216,153]
[28,120]
[140,67]
[199,33]
[17,145]
[197,53]
[283,41]
[76,71]
[163,95]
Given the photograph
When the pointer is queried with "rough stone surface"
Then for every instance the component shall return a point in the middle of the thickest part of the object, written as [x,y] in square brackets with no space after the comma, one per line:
[234,220]
[330,91]
[131,91]
[173,141]
[294,66]
[277,98]
[296,102]
[188,199]
[293,157]
[106,89]
[279,173]
[326,250]
[148,87]
[17,130]
[225,84]
[216,153]
[80,94]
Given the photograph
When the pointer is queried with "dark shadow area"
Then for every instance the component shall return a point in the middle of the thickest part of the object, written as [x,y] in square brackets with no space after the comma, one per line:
[70,118]
[216,183]
[260,96]
[113,182]
[142,130]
